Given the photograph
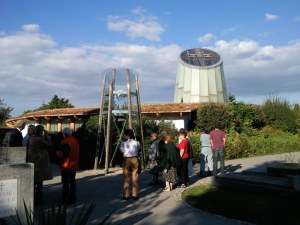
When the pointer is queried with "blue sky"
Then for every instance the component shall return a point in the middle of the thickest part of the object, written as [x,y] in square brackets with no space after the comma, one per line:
[62,47]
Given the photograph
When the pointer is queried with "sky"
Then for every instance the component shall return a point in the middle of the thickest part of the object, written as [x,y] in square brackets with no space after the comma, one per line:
[62,47]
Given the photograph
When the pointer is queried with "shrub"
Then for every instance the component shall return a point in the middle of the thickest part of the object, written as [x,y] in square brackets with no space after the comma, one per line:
[279,114]
[210,114]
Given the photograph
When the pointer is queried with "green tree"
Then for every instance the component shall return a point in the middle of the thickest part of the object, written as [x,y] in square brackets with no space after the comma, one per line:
[5,111]
[279,114]
[56,103]
[209,114]
[244,116]
[296,111]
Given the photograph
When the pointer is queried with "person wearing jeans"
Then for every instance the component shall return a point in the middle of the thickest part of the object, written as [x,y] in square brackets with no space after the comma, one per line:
[206,154]
[218,141]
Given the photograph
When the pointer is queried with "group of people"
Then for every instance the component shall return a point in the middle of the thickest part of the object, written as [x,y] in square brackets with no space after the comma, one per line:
[212,149]
[164,156]
[171,159]
[38,145]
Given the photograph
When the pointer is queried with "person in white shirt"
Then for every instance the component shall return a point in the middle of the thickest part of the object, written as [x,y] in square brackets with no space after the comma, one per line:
[130,149]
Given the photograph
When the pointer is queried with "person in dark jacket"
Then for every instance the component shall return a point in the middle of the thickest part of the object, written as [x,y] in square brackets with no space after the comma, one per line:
[170,162]
[16,138]
[38,145]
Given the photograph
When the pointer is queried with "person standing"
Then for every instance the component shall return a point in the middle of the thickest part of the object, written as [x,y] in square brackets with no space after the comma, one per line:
[183,147]
[170,163]
[30,132]
[69,165]
[16,138]
[154,155]
[206,153]
[218,141]
[130,149]
[38,146]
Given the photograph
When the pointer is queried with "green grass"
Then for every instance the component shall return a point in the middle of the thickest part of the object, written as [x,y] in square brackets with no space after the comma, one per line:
[257,208]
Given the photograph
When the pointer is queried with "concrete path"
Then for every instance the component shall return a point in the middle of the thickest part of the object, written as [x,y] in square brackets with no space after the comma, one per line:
[154,206]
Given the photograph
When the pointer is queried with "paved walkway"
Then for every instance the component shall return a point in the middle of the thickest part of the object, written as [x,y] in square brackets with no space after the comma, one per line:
[154,206]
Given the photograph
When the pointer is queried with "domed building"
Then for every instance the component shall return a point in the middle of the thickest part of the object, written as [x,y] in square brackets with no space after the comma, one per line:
[200,77]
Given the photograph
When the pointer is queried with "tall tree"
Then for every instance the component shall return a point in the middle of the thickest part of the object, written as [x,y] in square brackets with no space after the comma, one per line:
[4,111]
[56,103]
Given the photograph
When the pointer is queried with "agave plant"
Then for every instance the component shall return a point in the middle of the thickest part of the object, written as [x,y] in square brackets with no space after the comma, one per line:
[58,216]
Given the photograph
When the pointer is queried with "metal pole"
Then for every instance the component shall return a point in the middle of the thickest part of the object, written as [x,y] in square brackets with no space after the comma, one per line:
[129,99]
[109,115]
[140,118]
[100,125]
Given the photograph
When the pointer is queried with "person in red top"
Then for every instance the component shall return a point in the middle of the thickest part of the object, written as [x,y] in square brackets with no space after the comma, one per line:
[217,141]
[183,147]
[69,165]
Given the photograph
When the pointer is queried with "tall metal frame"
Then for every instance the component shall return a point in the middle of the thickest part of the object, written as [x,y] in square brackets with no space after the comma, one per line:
[109,97]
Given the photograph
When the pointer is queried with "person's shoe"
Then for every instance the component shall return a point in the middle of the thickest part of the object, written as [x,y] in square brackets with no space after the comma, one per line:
[182,186]
[125,198]
[209,173]
[135,197]
[201,174]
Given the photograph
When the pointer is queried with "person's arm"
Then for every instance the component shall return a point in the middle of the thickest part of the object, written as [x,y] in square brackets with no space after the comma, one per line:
[122,146]
[211,144]
[182,146]
[181,152]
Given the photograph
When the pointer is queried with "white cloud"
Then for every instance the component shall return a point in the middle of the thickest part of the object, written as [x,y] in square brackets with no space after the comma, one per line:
[205,38]
[31,27]
[34,69]
[254,70]
[271,17]
[229,30]
[144,26]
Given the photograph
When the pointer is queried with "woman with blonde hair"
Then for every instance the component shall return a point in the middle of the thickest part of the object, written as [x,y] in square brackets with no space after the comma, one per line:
[170,162]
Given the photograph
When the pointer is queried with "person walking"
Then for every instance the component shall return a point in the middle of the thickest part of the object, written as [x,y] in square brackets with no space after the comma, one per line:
[183,147]
[154,155]
[170,163]
[38,146]
[206,153]
[218,141]
[69,165]
[130,149]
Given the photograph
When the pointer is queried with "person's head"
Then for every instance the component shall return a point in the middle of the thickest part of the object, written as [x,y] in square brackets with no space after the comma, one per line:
[153,136]
[168,138]
[39,129]
[218,126]
[205,131]
[30,129]
[182,134]
[67,131]
[129,133]
[20,124]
